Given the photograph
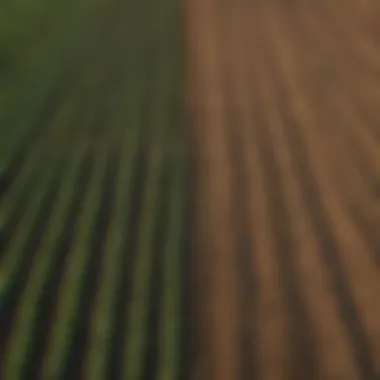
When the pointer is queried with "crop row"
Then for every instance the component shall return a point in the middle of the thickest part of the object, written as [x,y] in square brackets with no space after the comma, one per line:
[93,206]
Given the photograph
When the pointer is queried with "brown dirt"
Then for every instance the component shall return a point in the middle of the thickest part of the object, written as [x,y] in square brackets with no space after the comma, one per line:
[283,101]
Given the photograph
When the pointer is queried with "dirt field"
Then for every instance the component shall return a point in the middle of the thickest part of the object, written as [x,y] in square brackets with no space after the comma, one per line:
[283,101]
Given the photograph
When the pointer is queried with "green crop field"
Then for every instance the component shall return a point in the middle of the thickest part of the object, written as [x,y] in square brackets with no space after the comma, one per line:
[93,190]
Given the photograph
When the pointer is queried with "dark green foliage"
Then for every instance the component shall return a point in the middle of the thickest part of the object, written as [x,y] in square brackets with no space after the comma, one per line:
[92,190]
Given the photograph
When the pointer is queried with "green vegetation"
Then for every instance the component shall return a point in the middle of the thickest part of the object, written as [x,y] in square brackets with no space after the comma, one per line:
[93,197]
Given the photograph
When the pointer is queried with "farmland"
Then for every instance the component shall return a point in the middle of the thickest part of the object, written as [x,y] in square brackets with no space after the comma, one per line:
[283,99]
[189,190]
[93,200]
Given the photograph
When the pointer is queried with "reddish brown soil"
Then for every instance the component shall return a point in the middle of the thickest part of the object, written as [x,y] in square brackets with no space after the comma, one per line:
[283,99]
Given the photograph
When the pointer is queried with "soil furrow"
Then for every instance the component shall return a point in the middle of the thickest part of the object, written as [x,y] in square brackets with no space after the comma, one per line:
[287,156]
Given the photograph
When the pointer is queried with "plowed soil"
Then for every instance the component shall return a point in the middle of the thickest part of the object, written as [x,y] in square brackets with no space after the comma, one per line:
[283,105]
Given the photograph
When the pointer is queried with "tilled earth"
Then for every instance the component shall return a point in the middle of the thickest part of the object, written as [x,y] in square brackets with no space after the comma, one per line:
[283,105]
[95,223]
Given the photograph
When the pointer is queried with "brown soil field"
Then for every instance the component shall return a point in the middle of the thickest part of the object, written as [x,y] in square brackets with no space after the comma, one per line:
[282,102]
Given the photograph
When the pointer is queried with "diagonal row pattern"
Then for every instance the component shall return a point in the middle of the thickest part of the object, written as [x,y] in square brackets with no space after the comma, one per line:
[282,99]
[93,206]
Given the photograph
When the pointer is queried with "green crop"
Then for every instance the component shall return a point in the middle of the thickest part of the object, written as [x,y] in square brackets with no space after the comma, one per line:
[91,89]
